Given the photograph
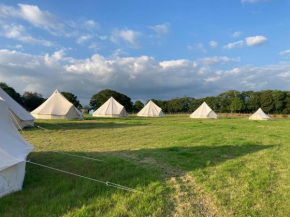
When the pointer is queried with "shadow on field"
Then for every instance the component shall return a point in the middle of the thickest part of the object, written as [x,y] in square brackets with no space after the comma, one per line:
[51,193]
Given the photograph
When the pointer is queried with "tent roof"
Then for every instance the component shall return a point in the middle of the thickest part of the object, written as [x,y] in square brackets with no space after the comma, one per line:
[151,109]
[13,148]
[260,113]
[110,107]
[56,104]
[17,109]
[202,111]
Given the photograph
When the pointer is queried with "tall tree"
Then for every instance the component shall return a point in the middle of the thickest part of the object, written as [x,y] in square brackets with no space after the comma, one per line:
[101,97]
[278,99]
[237,105]
[253,102]
[11,92]
[286,109]
[267,101]
[72,98]
[138,105]
[32,100]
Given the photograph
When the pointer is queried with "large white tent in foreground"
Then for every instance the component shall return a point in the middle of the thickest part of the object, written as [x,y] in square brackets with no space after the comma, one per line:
[204,111]
[13,152]
[111,108]
[259,115]
[57,107]
[151,110]
[20,117]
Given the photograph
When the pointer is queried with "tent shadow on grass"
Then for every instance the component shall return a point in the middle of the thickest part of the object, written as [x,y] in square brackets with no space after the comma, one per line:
[51,193]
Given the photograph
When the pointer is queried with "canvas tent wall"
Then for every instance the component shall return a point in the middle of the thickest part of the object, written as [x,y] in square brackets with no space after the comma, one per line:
[259,115]
[20,117]
[111,108]
[151,110]
[13,152]
[57,107]
[204,111]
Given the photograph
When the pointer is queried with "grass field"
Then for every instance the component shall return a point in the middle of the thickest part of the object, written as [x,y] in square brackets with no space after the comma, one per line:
[186,167]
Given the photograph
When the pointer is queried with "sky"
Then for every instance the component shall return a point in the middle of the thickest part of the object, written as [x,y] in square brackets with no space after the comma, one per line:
[146,48]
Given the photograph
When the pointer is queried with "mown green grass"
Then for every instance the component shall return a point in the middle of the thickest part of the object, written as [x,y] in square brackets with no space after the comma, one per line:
[233,167]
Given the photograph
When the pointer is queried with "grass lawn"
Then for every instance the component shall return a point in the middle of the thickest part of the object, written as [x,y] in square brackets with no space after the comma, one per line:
[186,167]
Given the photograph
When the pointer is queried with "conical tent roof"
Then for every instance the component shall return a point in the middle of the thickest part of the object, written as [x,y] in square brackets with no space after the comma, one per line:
[57,107]
[259,115]
[111,108]
[151,110]
[204,111]
[13,152]
[21,118]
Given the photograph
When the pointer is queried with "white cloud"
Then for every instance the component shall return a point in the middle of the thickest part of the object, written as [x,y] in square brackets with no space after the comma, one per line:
[213,44]
[103,37]
[212,79]
[161,29]
[18,32]
[254,1]
[285,53]
[84,38]
[138,77]
[91,24]
[33,15]
[199,47]
[127,35]
[237,34]
[285,74]
[256,40]
[175,63]
[217,60]
[18,46]
[237,44]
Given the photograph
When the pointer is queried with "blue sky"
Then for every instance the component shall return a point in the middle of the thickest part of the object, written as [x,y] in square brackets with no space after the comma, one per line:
[145,49]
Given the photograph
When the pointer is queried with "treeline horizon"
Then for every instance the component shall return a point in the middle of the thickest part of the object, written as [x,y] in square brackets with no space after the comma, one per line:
[232,101]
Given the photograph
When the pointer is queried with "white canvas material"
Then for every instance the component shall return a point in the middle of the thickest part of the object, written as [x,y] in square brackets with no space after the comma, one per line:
[204,111]
[13,152]
[259,115]
[151,110]
[20,117]
[111,108]
[57,107]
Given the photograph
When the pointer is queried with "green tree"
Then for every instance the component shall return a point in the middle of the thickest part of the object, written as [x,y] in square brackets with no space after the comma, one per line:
[278,99]
[138,105]
[101,97]
[32,100]
[267,101]
[253,102]
[237,105]
[225,99]
[11,92]
[72,98]
[286,109]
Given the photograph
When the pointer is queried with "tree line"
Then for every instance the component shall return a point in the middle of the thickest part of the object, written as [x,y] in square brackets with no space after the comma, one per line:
[271,101]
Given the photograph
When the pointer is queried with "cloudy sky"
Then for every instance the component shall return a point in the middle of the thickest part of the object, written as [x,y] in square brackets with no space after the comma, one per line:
[145,49]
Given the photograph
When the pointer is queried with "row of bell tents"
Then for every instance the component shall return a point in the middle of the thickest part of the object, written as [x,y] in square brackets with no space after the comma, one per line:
[58,107]
[13,157]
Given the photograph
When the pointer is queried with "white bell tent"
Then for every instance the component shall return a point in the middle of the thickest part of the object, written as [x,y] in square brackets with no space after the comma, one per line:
[57,107]
[204,111]
[13,152]
[151,110]
[20,117]
[111,108]
[259,115]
